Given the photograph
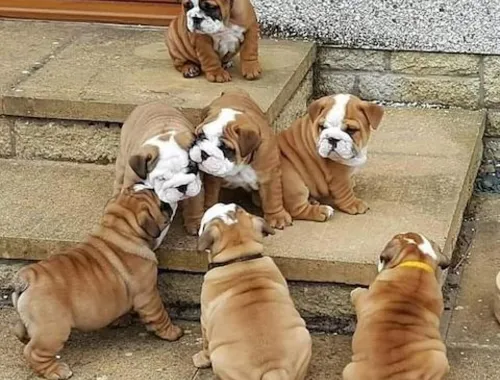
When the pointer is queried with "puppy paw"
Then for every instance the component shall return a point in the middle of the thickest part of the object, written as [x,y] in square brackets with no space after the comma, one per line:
[60,372]
[200,360]
[251,69]
[279,220]
[356,207]
[327,212]
[172,333]
[190,70]
[218,75]
[192,229]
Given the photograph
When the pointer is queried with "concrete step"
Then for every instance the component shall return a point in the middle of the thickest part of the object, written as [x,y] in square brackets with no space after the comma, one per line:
[419,176]
[100,72]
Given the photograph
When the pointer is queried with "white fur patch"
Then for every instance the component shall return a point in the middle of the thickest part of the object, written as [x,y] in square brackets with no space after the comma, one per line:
[229,39]
[345,150]
[216,164]
[244,176]
[171,171]
[219,210]
[425,247]
[380,265]
[207,26]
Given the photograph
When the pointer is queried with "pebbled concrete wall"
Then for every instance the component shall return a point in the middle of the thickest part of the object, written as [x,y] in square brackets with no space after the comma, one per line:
[463,26]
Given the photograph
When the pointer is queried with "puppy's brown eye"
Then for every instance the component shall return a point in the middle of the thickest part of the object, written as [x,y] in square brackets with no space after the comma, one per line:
[351,131]
[188,5]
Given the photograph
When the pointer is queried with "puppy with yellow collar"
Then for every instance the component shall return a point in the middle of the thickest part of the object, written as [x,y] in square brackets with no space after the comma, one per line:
[236,146]
[209,33]
[251,329]
[321,151]
[397,336]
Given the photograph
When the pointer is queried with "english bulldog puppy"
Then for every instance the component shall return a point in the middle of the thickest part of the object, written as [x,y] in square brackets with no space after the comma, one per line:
[209,33]
[91,284]
[397,336]
[236,146]
[321,151]
[251,329]
[154,150]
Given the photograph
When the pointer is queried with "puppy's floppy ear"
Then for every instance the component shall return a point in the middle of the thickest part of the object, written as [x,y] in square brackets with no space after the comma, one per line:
[373,112]
[262,226]
[248,140]
[144,162]
[207,238]
[317,107]
[391,250]
[443,261]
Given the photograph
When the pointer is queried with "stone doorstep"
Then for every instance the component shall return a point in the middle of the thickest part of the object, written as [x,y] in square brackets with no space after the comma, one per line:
[101,72]
[419,178]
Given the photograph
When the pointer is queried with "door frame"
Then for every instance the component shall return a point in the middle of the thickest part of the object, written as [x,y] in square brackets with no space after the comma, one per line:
[124,12]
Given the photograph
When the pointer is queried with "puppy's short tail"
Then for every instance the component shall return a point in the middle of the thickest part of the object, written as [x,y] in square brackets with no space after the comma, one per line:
[276,374]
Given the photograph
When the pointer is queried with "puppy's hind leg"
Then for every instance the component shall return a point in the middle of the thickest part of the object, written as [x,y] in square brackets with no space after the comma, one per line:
[153,314]
[47,339]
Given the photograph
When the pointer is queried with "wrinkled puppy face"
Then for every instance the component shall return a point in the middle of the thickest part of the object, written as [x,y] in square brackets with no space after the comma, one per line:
[206,16]
[343,124]
[163,164]
[223,143]
[225,226]
[145,210]
[414,247]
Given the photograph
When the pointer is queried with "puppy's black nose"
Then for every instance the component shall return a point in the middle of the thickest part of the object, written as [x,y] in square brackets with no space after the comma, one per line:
[204,155]
[182,188]
[333,142]
[197,21]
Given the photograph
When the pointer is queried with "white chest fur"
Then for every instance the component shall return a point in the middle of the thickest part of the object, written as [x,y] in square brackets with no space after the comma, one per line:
[244,177]
[229,39]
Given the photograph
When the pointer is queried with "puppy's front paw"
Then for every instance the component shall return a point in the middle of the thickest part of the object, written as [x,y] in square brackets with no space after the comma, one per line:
[218,75]
[192,228]
[190,70]
[200,360]
[172,333]
[327,211]
[60,372]
[279,220]
[356,207]
[251,69]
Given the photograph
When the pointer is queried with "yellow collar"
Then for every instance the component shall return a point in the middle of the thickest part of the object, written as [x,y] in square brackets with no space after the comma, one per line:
[418,265]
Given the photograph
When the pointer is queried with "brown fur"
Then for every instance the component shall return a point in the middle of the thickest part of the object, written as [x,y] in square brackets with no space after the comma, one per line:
[93,283]
[251,329]
[305,174]
[397,336]
[255,143]
[193,53]
[134,160]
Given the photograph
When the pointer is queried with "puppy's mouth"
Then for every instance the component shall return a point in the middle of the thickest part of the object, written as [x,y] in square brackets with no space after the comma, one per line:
[335,149]
[213,162]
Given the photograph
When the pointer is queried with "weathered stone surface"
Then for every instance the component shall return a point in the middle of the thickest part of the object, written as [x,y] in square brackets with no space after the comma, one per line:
[473,322]
[491,75]
[493,125]
[106,71]
[491,149]
[421,63]
[67,140]
[297,105]
[333,82]
[454,91]
[350,59]
[418,177]
[5,137]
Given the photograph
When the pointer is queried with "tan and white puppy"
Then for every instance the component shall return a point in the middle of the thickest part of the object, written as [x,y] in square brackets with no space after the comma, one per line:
[321,151]
[251,329]
[397,336]
[236,144]
[154,150]
[89,285]
[209,33]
